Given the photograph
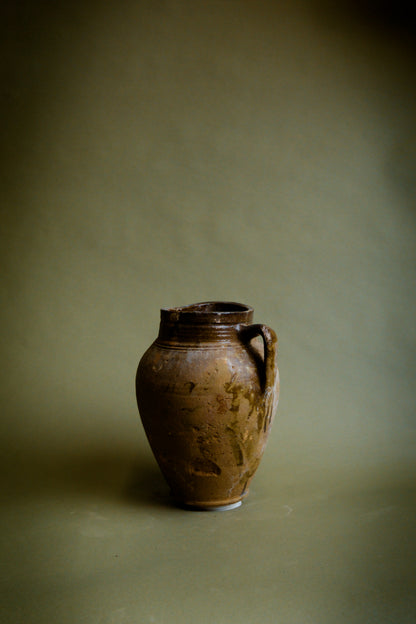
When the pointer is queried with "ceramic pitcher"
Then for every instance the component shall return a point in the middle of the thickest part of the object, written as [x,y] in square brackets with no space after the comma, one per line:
[207,392]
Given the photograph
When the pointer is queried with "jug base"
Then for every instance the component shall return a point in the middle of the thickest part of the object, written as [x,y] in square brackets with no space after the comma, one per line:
[211,507]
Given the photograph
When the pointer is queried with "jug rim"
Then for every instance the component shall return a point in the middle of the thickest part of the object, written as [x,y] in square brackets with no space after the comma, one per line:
[223,312]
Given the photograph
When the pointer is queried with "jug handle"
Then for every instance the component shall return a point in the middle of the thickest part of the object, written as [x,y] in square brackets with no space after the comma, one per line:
[271,385]
[270,350]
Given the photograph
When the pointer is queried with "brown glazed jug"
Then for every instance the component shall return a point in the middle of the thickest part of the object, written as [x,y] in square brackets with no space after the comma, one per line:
[207,395]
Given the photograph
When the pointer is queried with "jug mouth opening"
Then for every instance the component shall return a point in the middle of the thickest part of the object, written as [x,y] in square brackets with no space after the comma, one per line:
[224,312]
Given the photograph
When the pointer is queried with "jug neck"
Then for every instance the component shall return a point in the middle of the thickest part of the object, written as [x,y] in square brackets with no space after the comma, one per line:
[210,321]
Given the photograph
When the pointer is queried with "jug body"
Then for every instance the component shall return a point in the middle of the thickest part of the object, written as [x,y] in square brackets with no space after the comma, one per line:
[207,396]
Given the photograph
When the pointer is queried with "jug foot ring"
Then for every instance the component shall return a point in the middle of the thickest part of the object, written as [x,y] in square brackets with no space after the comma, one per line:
[213,508]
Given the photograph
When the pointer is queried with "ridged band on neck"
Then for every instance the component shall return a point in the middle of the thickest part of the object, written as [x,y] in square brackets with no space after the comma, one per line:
[170,333]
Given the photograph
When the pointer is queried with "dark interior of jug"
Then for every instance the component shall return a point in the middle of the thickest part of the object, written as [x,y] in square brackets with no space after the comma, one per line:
[214,306]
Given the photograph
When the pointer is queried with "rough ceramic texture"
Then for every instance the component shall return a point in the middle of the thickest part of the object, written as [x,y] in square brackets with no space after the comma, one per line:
[207,396]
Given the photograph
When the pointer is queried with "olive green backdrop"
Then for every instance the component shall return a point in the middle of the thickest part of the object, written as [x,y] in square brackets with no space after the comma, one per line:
[162,153]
